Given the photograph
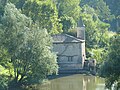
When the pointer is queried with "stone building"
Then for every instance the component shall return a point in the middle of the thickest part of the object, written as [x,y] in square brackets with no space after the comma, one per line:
[70,50]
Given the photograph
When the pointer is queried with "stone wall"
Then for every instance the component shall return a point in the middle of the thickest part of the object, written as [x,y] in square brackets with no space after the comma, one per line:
[70,55]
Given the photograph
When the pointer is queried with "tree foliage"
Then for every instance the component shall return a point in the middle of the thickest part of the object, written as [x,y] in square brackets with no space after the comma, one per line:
[3,82]
[100,7]
[45,13]
[95,29]
[27,45]
[115,10]
[97,38]
[18,3]
[69,13]
[110,70]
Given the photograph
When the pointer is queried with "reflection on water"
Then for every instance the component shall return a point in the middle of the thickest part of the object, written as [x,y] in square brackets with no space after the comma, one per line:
[74,82]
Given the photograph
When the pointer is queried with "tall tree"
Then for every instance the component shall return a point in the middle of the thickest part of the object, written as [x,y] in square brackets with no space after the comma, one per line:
[96,32]
[45,13]
[115,9]
[100,8]
[69,13]
[18,3]
[95,28]
[110,70]
[2,4]
[29,47]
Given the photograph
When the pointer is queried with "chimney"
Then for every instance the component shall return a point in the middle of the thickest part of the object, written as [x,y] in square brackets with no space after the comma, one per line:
[81,29]
[81,33]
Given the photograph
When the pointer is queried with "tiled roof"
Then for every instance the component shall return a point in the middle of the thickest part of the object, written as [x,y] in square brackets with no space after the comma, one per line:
[65,38]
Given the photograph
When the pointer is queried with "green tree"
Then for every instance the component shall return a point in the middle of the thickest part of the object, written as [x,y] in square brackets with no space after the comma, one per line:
[115,10]
[100,7]
[29,47]
[18,3]
[96,30]
[69,13]
[2,4]
[110,70]
[45,13]
[3,82]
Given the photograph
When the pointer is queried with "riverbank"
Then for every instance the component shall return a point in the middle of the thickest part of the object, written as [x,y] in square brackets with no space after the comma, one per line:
[55,81]
[78,71]
[50,77]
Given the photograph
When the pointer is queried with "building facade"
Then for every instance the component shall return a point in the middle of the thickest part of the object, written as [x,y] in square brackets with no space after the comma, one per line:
[70,50]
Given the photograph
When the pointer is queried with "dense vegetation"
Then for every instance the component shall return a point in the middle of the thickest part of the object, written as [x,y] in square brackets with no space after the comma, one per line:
[26,27]
[25,45]
[110,70]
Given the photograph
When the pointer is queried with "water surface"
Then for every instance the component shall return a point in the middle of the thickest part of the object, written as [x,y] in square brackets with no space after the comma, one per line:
[74,82]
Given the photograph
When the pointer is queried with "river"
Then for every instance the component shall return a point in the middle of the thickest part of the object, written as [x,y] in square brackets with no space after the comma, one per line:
[74,82]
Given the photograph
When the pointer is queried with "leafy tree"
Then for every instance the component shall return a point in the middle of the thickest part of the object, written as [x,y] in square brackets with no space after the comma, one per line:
[115,9]
[68,23]
[97,38]
[29,47]
[110,70]
[2,4]
[69,13]
[45,13]
[95,29]
[3,82]
[100,7]
[69,7]
[18,3]
[114,6]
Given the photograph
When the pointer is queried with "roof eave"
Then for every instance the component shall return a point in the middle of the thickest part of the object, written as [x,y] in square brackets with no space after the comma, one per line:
[82,41]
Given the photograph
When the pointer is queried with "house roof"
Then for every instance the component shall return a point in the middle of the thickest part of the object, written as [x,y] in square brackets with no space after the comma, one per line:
[65,38]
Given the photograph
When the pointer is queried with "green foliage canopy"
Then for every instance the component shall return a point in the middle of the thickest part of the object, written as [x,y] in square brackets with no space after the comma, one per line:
[44,13]
[114,6]
[110,70]
[95,29]
[100,7]
[27,45]
[69,13]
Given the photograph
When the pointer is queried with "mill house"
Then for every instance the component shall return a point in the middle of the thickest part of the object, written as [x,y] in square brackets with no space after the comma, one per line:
[70,50]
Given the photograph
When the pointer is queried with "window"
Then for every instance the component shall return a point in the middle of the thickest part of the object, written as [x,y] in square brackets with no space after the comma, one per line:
[70,58]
